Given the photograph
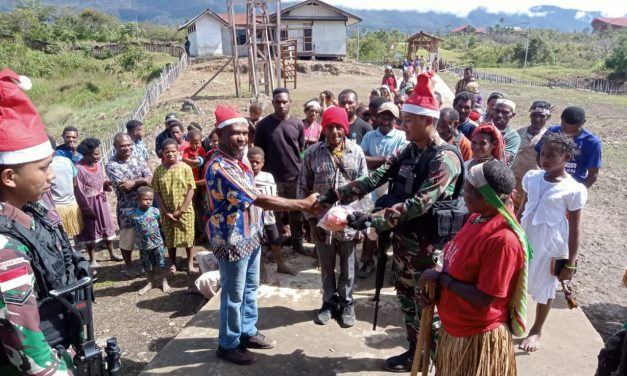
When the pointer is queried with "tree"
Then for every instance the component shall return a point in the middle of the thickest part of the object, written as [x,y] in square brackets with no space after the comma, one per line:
[617,61]
[539,52]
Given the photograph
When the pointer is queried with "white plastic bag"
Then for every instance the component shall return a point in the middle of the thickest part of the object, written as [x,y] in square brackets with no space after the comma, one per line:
[208,283]
[206,261]
[335,218]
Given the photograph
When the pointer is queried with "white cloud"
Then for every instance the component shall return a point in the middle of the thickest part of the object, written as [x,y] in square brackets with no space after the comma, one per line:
[611,8]
[580,15]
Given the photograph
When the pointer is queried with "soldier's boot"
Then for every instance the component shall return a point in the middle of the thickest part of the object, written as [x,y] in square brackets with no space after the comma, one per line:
[402,362]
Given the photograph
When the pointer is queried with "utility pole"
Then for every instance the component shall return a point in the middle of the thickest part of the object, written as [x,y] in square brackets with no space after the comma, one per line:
[358,32]
[526,48]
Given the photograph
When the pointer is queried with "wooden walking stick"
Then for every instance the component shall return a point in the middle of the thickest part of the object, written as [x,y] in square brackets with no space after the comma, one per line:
[423,346]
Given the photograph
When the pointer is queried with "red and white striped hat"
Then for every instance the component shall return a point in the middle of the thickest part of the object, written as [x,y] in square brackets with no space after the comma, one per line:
[422,100]
[23,137]
[227,115]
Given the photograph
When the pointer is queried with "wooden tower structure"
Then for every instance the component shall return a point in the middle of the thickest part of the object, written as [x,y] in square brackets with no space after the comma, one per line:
[263,45]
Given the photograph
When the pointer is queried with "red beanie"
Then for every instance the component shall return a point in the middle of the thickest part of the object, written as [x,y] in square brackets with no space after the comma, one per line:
[335,115]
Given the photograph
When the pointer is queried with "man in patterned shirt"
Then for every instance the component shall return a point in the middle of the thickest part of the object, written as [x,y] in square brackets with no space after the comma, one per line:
[411,194]
[25,175]
[234,228]
[135,130]
[127,173]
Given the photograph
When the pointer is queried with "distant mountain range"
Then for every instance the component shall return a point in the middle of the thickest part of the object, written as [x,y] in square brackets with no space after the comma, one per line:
[175,12]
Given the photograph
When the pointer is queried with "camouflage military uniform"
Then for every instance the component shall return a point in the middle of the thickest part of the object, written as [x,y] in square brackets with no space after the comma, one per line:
[23,348]
[413,253]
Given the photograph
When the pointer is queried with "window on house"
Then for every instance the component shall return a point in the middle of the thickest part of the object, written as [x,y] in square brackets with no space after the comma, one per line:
[283,34]
[191,29]
[240,36]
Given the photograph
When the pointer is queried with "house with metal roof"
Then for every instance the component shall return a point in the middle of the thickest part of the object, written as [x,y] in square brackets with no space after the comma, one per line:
[320,30]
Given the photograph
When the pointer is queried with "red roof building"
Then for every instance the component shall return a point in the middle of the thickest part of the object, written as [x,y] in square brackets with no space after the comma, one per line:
[609,23]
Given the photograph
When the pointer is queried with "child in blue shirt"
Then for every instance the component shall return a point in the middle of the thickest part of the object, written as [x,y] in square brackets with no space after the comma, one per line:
[146,219]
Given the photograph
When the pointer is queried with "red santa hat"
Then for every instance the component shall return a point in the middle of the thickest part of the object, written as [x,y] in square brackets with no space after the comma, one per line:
[227,115]
[422,100]
[23,137]
[335,115]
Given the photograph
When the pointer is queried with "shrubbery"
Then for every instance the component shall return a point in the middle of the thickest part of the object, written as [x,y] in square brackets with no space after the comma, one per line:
[617,61]
[38,22]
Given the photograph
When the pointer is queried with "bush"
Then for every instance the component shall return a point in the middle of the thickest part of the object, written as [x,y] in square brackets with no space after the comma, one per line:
[131,58]
[617,61]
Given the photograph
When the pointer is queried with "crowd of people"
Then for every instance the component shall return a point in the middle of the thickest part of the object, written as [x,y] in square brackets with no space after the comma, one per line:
[269,180]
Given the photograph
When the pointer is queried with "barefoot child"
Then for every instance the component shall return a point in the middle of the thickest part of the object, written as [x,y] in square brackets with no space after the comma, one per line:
[146,219]
[551,216]
[89,192]
[174,186]
[264,183]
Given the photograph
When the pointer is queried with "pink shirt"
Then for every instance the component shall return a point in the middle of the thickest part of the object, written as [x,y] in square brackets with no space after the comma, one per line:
[312,132]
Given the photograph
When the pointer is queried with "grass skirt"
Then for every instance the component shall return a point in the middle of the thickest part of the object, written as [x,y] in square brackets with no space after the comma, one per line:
[484,354]
[71,218]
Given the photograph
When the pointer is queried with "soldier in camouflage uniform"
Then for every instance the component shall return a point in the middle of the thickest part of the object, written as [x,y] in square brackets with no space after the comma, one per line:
[25,174]
[413,249]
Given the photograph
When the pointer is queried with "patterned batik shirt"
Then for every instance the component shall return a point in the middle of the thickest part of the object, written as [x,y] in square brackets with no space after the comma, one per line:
[146,225]
[234,225]
[444,170]
[118,171]
[322,171]
[140,151]
[21,340]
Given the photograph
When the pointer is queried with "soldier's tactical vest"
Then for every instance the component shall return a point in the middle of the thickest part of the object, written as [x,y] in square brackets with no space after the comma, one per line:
[445,217]
[55,265]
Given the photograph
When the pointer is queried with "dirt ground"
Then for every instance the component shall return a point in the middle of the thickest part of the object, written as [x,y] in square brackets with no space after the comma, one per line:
[145,324]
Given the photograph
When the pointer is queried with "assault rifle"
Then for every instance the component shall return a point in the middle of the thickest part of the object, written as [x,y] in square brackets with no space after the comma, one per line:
[383,242]
[89,359]
[361,221]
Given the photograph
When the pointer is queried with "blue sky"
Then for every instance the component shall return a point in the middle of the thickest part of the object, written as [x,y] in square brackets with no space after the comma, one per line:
[611,8]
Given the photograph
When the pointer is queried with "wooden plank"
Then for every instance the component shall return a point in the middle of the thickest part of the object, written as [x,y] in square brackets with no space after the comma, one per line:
[212,77]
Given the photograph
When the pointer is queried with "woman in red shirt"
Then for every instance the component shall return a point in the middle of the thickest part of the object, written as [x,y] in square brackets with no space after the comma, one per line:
[389,79]
[483,282]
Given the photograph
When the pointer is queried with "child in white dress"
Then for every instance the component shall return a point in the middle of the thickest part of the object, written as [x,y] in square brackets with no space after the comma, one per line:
[551,216]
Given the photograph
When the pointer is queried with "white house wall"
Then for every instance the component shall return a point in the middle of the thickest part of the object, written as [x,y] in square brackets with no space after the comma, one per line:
[329,38]
[208,37]
[225,34]
[227,43]
[193,43]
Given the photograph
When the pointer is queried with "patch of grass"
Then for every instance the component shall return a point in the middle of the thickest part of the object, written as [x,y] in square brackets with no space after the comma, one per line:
[103,285]
[450,55]
[557,96]
[95,100]
[541,73]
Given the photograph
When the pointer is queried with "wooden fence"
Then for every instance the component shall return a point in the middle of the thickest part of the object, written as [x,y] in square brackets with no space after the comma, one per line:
[153,91]
[105,51]
[596,85]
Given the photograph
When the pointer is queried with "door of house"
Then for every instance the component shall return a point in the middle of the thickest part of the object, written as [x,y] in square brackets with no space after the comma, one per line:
[307,40]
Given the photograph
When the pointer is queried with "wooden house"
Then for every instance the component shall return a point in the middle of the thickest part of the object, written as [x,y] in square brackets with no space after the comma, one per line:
[319,29]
